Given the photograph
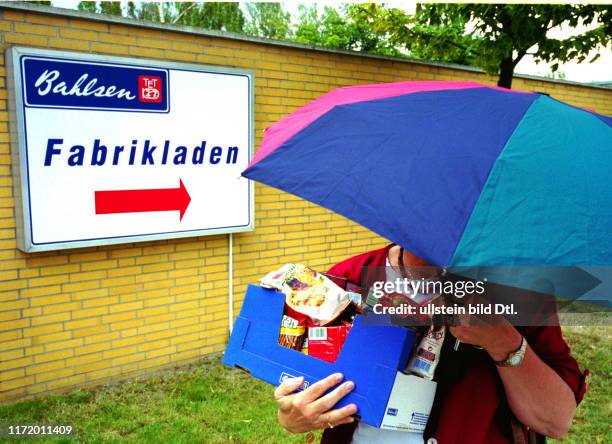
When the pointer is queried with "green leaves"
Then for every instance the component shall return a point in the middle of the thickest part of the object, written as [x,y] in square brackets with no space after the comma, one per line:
[269,20]
[494,37]
[351,28]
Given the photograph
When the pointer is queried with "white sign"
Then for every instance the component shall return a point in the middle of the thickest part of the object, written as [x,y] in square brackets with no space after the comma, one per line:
[115,150]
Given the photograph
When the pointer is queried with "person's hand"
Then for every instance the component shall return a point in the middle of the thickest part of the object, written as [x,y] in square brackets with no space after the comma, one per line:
[492,332]
[498,340]
[312,409]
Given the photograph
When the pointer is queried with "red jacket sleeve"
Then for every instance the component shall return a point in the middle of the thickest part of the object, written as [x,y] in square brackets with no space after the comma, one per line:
[548,343]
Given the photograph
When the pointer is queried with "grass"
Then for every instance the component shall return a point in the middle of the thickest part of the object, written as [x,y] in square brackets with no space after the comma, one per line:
[592,346]
[209,403]
[205,403]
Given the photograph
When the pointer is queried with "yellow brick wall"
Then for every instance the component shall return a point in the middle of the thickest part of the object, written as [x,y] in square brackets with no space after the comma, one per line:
[87,316]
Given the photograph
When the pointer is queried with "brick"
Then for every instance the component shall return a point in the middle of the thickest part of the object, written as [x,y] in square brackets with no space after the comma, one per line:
[125,307]
[7,355]
[116,352]
[78,34]
[50,319]
[15,363]
[63,373]
[127,327]
[86,333]
[83,323]
[66,382]
[109,48]
[16,343]
[9,335]
[34,40]
[89,294]
[57,355]
[125,252]
[28,28]
[12,285]
[124,271]
[88,276]
[90,25]
[98,374]
[13,16]
[188,46]
[180,56]
[13,374]
[104,338]
[48,280]
[161,351]
[138,357]
[43,368]
[21,382]
[64,344]
[154,43]
[147,52]
[90,312]
[92,348]
[156,267]
[124,316]
[99,265]
[59,269]
[13,305]
[12,315]
[151,326]
[128,341]
[118,281]
[117,39]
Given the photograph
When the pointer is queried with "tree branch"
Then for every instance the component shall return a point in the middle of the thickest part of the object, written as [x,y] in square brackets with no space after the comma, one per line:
[183,12]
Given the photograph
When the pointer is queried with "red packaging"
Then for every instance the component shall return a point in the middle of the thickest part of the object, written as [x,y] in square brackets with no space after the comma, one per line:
[326,342]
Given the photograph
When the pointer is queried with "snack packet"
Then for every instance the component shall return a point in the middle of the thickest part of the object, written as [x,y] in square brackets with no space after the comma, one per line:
[308,292]
[326,342]
[427,355]
[292,333]
[305,345]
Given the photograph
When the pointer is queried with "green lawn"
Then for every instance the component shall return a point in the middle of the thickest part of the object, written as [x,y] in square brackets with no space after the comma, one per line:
[208,403]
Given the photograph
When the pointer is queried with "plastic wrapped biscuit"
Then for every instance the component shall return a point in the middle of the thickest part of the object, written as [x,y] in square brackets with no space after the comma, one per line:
[308,292]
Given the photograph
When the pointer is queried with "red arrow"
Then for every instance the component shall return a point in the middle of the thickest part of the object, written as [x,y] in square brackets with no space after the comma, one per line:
[137,201]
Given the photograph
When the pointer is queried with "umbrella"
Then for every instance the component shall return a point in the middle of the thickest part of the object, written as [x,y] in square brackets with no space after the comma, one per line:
[461,174]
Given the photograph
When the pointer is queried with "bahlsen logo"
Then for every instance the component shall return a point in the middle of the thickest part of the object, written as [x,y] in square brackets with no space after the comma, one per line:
[53,83]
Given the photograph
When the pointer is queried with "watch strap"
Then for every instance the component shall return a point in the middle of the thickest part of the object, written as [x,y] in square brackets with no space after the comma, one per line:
[510,360]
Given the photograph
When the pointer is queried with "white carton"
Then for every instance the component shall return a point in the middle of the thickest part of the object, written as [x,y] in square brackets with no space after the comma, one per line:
[409,403]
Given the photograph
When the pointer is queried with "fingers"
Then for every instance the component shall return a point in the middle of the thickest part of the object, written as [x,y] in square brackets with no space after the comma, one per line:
[287,387]
[310,409]
[338,416]
[315,391]
[462,319]
[328,401]
[461,333]
[346,420]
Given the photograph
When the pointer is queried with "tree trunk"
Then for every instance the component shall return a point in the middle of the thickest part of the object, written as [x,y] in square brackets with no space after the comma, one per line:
[506,71]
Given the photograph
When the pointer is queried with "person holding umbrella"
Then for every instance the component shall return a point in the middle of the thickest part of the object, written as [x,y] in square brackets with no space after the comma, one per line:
[523,386]
[459,174]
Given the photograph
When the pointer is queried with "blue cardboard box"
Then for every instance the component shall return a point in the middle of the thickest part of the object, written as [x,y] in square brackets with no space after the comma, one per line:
[371,355]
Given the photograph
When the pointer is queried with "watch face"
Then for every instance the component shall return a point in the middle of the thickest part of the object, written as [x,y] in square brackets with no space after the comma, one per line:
[515,360]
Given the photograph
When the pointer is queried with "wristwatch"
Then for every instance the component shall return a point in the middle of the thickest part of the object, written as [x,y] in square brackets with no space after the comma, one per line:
[514,358]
